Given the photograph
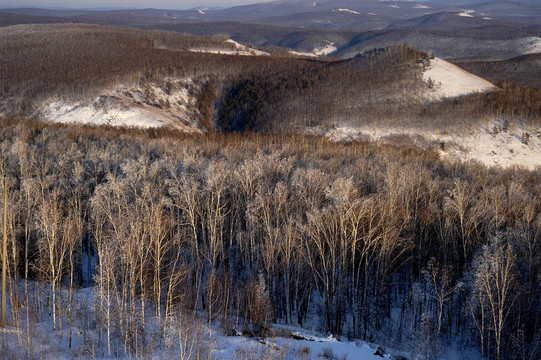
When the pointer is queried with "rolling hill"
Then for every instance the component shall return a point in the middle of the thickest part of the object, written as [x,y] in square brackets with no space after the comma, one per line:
[449,29]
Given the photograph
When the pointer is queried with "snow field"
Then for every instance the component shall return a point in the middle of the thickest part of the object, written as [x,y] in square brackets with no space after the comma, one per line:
[347,11]
[240,50]
[488,145]
[148,107]
[466,13]
[448,80]
[326,49]
[169,338]
[531,45]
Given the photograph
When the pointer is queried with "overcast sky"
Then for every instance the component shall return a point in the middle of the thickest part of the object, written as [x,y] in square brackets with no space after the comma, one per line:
[158,4]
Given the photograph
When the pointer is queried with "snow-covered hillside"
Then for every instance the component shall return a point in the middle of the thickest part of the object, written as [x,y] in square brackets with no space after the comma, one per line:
[303,54]
[238,49]
[448,80]
[171,105]
[326,49]
[492,145]
[531,45]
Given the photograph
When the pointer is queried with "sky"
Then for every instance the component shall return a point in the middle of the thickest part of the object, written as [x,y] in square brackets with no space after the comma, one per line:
[158,4]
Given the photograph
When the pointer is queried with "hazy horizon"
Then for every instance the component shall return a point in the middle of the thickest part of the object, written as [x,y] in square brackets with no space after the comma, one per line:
[141,4]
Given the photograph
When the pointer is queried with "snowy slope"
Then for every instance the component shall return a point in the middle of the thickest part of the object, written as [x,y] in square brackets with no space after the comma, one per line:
[449,80]
[130,106]
[326,49]
[531,45]
[489,145]
[238,49]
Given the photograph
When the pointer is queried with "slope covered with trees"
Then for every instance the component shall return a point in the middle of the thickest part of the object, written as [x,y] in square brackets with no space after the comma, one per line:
[237,93]
[386,242]
[253,222]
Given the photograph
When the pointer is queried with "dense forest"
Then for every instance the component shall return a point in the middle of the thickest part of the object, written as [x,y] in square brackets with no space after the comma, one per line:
[387,243]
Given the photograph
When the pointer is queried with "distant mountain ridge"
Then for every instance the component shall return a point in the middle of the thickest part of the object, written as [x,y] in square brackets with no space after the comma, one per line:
[450,29]
[324,14]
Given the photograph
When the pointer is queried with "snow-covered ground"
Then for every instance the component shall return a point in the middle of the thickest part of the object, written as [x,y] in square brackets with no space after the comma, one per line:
[448,80]
[531,45]
[179,337]
[130,106]
[490,145]
[520,146]
[466,13]
[296,53]
[347,11]
[243,48]
[239,49]
[303,346]
[326,49]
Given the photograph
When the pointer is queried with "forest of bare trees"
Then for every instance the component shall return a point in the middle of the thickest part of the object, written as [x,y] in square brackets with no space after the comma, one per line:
[142,239]
[381,87]
[387,243]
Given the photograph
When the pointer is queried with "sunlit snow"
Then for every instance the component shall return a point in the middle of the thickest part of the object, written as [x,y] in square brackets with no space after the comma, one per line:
[449,80]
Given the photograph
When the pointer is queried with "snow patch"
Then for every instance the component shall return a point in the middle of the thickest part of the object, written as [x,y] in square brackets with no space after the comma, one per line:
[296,53]
[531,45]
[419,6]
[148,107]
[348,11]
[520,146]
[247,50]
[448,80]
[310,337]
[486,18]
[201,12]
[489,145]
[325,49]
[395,6]
[240,49]
[373,14]
[466,13]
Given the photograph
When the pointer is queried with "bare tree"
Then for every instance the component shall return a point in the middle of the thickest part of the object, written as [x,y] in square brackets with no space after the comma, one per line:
[440,278]
[470,214]
[4,256]
[496,288]
[52,245]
